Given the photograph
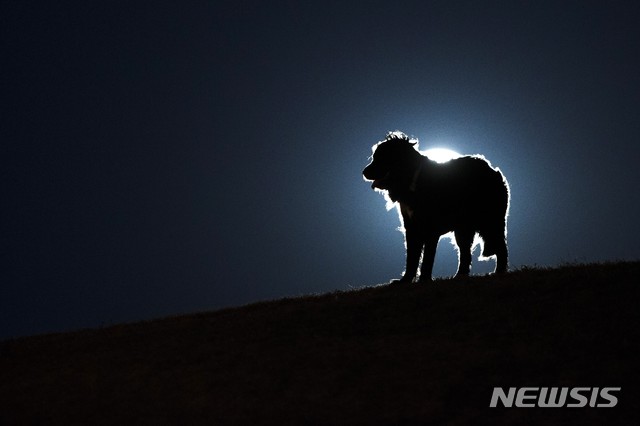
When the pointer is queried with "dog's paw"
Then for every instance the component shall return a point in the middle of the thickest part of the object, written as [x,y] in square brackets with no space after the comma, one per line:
[404,280]
[461,276]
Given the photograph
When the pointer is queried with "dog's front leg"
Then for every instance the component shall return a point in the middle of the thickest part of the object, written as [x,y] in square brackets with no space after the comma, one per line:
[414,242]
[430,246]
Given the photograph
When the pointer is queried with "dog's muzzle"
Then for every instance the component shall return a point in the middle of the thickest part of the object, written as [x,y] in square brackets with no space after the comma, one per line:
[380,183]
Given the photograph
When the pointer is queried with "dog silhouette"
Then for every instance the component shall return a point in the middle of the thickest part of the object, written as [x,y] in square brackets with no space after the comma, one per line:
[466,196]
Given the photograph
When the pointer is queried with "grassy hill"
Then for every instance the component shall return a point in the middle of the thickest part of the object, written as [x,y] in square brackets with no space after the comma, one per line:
[418,354]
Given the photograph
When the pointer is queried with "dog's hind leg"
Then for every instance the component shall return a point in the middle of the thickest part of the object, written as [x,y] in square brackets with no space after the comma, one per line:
[464,241]
[502,256]
[495,243]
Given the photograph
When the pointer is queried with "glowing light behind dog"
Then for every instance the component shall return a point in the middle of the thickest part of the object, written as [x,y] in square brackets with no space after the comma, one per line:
[440,155]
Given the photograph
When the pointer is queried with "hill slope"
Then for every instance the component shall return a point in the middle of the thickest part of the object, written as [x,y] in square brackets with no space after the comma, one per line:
[419,354]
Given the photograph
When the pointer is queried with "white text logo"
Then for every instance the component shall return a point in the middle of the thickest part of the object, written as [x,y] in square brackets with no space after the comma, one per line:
[555,397]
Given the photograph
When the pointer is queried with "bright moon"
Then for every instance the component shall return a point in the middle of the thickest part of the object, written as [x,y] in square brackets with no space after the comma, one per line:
[440,155]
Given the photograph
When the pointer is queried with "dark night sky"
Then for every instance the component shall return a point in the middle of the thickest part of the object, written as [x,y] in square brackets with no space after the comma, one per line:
[169,157]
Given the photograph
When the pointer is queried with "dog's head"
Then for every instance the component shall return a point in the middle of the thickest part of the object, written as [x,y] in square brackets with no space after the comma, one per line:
[391,160]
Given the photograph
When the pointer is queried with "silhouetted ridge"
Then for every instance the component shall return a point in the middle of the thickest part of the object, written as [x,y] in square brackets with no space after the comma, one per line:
[415,354]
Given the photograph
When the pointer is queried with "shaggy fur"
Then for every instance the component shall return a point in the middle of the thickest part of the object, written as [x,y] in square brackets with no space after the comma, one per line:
[465,195]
